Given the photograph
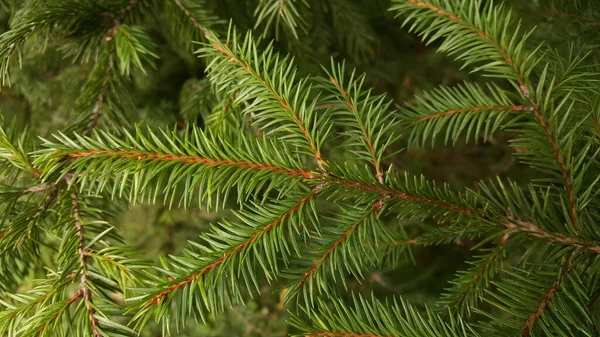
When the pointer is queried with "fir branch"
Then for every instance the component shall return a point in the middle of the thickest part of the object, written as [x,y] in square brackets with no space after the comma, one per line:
[339,243]
[84,291]
[505,47]
[561,162]
[203,154]
[368,118]
[411,242]
[281,13]
[363,129]
[373,318]
[97,108]
[469,286]
[233,251]
[340,334]
[526,329]
[76,296]
[232,62]
[37,216]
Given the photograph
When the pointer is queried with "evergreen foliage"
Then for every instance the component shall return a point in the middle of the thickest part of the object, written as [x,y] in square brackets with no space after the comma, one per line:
[302,146]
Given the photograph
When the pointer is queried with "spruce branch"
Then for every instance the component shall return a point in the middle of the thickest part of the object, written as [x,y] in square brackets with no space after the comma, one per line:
[487,26]
[469,286]
[526,329]
[474,109]
[367,116]
[270,83]
[561,162]
[84,291]
[335,246]
[234,250]
[465,109]
[157,299]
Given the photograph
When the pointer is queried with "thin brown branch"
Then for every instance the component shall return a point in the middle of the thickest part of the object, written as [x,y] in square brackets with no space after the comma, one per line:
[484,267]
[412,242]
[40,188]
[157,299]
[526,329]
[304,174]
[404,196]
[54,291]
[474,109]
[43,206]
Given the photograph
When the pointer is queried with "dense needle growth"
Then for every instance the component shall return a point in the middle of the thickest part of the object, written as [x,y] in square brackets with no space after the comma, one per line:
[308,154]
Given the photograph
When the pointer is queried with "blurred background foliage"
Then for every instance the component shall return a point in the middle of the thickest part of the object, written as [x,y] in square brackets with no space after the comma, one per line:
[44,89]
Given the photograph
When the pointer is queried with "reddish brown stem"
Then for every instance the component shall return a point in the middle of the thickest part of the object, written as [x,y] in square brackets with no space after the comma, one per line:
[475,109]
[482,270]
[139,155]
[71,300]
[108,260]
[191,18]
[403,196]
